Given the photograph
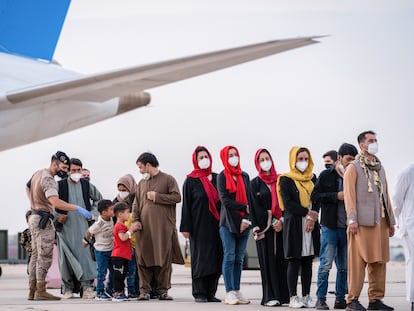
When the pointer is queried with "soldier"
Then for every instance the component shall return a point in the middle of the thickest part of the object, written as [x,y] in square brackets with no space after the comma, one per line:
[43,195]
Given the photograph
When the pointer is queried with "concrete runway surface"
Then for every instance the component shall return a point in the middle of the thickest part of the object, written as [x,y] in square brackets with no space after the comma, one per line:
[14,281]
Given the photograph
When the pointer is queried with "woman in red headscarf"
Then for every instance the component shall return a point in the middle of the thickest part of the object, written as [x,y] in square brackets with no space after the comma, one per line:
[200,215]
[267,222]
[234,190]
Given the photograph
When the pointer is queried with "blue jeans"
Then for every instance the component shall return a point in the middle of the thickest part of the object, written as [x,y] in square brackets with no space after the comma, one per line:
[333,247]
[234,248]
[132,280]
[103,260]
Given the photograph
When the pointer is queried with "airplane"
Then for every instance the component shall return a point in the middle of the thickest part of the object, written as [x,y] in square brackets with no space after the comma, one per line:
[41,99]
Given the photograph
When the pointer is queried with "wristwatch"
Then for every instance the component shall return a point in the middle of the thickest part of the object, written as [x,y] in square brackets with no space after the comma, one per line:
[350,222]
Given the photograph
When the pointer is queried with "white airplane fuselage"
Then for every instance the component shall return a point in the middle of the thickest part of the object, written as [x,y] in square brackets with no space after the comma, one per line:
[25,123]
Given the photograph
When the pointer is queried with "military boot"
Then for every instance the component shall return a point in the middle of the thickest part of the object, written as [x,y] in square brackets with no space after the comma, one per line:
[32,289]
[42,294]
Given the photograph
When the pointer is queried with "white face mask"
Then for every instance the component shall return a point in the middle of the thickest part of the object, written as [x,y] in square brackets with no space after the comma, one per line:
[266,165]
[146,176]
[373,148]
[123,194]
[204,163]
[233,161]
[341,168]
[302,166]
[75,177]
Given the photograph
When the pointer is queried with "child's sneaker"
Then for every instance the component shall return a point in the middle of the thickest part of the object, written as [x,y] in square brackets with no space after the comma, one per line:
[103,297]
[119,297]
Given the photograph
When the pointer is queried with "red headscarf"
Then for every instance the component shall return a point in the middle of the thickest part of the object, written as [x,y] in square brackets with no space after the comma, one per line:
[270,180]
[208,186]
[229,172]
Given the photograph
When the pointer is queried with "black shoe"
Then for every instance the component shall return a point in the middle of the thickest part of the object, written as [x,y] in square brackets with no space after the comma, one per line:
[200,299]
[340,304]
[213,299]
[321,304]
[354,305]
[379,305]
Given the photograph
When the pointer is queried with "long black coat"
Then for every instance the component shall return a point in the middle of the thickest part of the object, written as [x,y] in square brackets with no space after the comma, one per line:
[205,243]
[292,227]
[273,265]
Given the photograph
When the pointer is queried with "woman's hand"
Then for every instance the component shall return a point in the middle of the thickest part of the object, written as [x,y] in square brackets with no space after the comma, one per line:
[277,226]
[309,225]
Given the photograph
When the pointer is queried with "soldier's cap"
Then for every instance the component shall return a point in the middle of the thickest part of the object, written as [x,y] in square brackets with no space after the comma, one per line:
[62,157]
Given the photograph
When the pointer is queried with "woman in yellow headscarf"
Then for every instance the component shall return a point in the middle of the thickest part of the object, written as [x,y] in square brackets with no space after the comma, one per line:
[301,229]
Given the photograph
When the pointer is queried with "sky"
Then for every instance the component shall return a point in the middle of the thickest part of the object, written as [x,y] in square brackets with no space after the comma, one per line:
[360,77]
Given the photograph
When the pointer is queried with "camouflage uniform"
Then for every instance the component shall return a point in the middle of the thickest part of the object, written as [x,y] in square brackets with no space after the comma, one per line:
[26,243]
[43,186]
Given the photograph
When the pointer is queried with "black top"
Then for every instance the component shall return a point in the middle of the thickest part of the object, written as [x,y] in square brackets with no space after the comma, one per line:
[292,227]
[261,203]
[228,216]
[325,195]
[205,242]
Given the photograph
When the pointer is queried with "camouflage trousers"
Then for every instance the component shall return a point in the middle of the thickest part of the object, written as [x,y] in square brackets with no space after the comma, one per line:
[42,248]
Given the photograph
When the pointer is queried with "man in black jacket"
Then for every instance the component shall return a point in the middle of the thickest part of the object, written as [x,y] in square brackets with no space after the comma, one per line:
[328,192]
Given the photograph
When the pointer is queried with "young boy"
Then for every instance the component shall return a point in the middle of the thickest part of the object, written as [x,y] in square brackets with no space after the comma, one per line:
[102,230]
[122,251]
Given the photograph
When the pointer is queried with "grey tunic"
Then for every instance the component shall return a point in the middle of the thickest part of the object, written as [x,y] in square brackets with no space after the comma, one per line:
[75,261]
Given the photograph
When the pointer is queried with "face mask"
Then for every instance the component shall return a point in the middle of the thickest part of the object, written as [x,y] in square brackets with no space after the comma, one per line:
[123,194]
[75,177]
[146,176]
[328,165]
[266,165]
[302,166]
[341,168]
[62,174]
[204,163]
[233,161]
[373,148]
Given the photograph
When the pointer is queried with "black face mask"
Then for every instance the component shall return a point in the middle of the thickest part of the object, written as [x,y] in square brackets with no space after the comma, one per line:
[328,165]
[62,174]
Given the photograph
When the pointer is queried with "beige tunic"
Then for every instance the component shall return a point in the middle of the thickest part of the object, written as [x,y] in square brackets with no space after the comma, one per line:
[158,239]
[371,242]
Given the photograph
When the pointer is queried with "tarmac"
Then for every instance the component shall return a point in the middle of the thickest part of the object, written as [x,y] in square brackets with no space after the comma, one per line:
[14,283]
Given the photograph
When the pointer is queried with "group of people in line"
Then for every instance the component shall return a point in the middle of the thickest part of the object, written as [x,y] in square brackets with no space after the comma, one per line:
[344,215]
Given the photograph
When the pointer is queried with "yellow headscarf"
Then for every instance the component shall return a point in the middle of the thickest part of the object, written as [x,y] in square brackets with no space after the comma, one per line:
[303,181]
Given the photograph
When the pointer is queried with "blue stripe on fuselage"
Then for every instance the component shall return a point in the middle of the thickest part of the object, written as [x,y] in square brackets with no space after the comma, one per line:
[31,28]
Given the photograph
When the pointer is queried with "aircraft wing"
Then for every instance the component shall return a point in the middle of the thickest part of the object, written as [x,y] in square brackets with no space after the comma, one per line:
[104,86]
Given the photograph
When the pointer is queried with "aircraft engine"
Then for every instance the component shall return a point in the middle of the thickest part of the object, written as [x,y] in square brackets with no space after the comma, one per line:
[133,101]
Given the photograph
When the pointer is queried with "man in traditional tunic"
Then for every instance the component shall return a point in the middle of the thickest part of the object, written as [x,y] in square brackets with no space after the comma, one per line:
[370,224]
[404,211]
[43,195]
[154,208]
[75,262]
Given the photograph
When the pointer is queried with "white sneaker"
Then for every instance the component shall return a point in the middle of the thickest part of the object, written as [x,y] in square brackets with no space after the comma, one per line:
[88,293]
[308,302]
[231,298]
[241,299]
[296,302]
[67,295]
[272,303]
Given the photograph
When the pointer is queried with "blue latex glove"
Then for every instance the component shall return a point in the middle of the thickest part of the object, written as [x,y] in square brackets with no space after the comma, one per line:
[83,212]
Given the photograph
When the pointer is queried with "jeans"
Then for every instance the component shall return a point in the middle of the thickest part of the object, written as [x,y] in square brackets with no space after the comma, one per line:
[234,248]
[132,279]
[103,262]
[333,247]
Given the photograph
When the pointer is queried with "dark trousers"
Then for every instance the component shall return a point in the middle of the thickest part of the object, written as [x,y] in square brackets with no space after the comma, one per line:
[205,286]
[120,270]
[305,264]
